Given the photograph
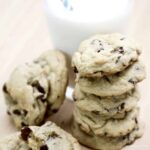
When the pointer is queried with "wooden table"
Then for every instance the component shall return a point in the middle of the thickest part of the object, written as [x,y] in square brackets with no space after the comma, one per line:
[24,35]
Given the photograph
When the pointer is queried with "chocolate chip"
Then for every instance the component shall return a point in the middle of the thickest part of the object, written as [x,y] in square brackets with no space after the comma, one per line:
[117,74]
[117,60]
[54,135]
[136,121]
[95,112]
[123,137]
[107,79]
[17,112]
[25,112]
[75,70]
[25,132]
[38,86]
[119,49]
[105,134]
[122,106]
[132,81]
[20,112]
[122,38]
[44,147]
[100,49]
[79,124]
[23,124]
[132,60]
[55,110]
[41,98]
[5,88]
[40,89]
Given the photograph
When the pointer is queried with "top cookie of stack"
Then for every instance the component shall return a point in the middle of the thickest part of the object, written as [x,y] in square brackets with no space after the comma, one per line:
[109,64]
[105,55]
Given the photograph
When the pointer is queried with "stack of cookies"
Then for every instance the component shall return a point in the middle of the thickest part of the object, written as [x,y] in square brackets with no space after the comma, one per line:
[106,115]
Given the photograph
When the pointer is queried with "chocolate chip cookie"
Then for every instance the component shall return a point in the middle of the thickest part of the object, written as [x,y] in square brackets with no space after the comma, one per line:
[113,85]
[107,127]
[104,55]
[36,89]
[106,143]
[48,136]
[106,107]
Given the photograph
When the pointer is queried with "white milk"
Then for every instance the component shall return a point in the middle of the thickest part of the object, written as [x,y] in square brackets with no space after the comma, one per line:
[71,21]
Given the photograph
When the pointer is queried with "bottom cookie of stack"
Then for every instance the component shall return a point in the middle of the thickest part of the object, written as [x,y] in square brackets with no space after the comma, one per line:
[106,143]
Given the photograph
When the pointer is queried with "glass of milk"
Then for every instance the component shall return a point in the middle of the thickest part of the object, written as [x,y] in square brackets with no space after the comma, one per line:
[71,21]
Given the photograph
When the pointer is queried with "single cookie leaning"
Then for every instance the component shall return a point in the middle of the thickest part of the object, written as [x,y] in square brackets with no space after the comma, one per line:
[105,107]
[104,55]
[113,85]
[110,127]
[36,89]
[106,143]
[48,136]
